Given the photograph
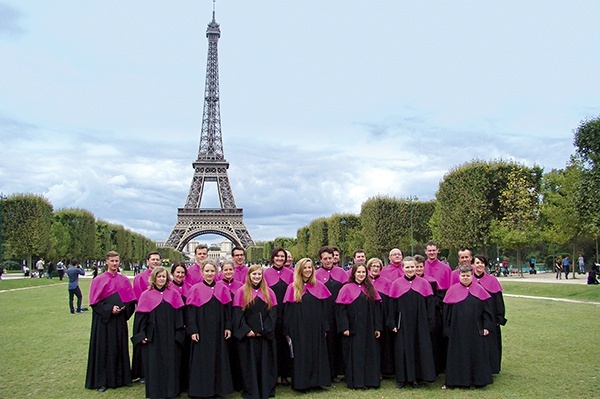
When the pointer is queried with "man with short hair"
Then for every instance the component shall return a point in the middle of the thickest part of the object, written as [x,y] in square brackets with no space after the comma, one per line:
[73,272]
[240,270]
[60,268]
[336,257]
[194,272]
[435,268]
[395,269]
[39,266]
[359,256]
[113,302]
[141,282]
[465,258]
[289,260]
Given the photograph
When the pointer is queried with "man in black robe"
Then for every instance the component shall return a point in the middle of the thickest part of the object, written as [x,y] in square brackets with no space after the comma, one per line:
[113,302]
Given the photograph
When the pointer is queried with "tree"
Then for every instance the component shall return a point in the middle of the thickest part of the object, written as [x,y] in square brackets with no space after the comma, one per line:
[385,221]
[81,226]
[340,231]
[27,226]
[317,237]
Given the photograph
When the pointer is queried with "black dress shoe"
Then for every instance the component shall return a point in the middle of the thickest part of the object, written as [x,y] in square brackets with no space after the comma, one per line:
[101,389]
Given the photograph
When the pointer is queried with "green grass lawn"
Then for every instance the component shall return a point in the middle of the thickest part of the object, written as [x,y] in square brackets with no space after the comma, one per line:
[550,348]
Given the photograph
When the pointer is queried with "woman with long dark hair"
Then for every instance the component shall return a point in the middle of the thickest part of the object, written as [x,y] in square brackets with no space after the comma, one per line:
[254,318]
[359,319]
[305,326]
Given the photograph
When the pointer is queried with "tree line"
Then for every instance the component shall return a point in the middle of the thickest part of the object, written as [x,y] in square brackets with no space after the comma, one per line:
[31,229]
[494,207]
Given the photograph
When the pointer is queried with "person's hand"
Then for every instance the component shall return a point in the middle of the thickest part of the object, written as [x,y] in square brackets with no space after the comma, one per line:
[195,337]
[395,329]
[250,334]
[347,333]
[145,341]
[227,334]
[377,334]
[116,310]
[486,332]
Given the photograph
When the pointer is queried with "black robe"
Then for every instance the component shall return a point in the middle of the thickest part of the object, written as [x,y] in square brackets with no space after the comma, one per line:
[334,340]
[307,325]
[284,362]
[258,355]
[468,349]
[438,341]
[495,337]
[210,372]
[108,358]
[412,314]
[361,349]
[164,330]
[386,340]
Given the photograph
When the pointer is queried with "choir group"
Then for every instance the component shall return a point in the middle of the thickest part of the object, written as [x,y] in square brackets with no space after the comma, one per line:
[212,332]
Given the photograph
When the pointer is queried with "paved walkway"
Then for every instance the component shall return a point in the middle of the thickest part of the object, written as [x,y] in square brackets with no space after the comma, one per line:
[546,278]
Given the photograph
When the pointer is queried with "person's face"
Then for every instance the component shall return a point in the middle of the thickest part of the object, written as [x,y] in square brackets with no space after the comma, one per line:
[360,275]
[466,278]
[228,271]
[256,276]
[396,256]
[153,261]
[201,254]
[375,269]
[208,273]
[419,269]
[336,257]
[289,259]
[161,279]
[432,252]
[279,259]
[360,257]
[179,274]
[307,270]
[409,268]
[327,260]
[113,263]
[479,266]
[464,257]
[239,257]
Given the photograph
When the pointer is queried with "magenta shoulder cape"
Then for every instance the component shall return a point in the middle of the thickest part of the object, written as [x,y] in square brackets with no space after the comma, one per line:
[336,273]
[141,282]
[440,271]
[239,273]
[489,282]
[392,272]
[201,293]
[183,289]
[382,285]
[272,276]
[232,285]
[150,299]
[318,290]
[401,286]
[107,284]
[193,274]
[238,298]
[351,291]
[458,293]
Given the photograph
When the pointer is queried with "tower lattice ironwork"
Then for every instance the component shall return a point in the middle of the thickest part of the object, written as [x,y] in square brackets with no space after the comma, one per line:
[210,166]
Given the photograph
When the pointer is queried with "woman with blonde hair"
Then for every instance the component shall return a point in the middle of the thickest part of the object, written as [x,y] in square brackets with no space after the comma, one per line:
[254,317]
[305,325]
[159,329]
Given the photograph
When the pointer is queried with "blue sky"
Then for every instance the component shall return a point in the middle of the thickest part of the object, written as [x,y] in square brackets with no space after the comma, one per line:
[323,103]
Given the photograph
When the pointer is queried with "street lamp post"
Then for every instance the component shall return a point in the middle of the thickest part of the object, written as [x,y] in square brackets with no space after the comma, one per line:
[343,228]
[412,242]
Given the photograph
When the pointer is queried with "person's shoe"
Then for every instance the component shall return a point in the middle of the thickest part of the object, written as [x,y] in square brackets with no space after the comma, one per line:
[336,379]
[142,381]
[400,385]
[79,312]
[416,385]
[101,389]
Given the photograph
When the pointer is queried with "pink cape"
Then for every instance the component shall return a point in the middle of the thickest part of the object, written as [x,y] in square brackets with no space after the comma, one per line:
[201,293]
[193,274]
[382,285]
[489,282]
[150,299]
[351,291]
[107,284]
[318,290]
[401,286]
[440,271]
[272,276]
[232,285]
[183,289]
[458,293]
[141,282]
[238,298]
[336,273]
[392,272]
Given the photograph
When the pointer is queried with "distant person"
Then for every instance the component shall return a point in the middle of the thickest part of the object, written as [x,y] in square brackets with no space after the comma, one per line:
[73,272]
[1,271]
[39,266]
[113,303]
[194,272]
[566,263]
[60,268]
[592,277]
[465,257]
[50,270]
[94,270]
[239,264]
[558,269]
[581,264]
[289,261]
[394,270]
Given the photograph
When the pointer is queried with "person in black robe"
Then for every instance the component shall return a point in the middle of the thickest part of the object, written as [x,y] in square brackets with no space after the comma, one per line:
[333,278]
[306,326]
[278,278]
[227,276]
[386,341]
[254,317]
[159,331]
[113,302]
[209,325]
[410,317]
[358,316]
[468,320]
[178,272]
[494,288]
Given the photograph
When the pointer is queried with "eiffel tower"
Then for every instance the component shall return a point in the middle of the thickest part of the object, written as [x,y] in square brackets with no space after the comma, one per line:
[210,166]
